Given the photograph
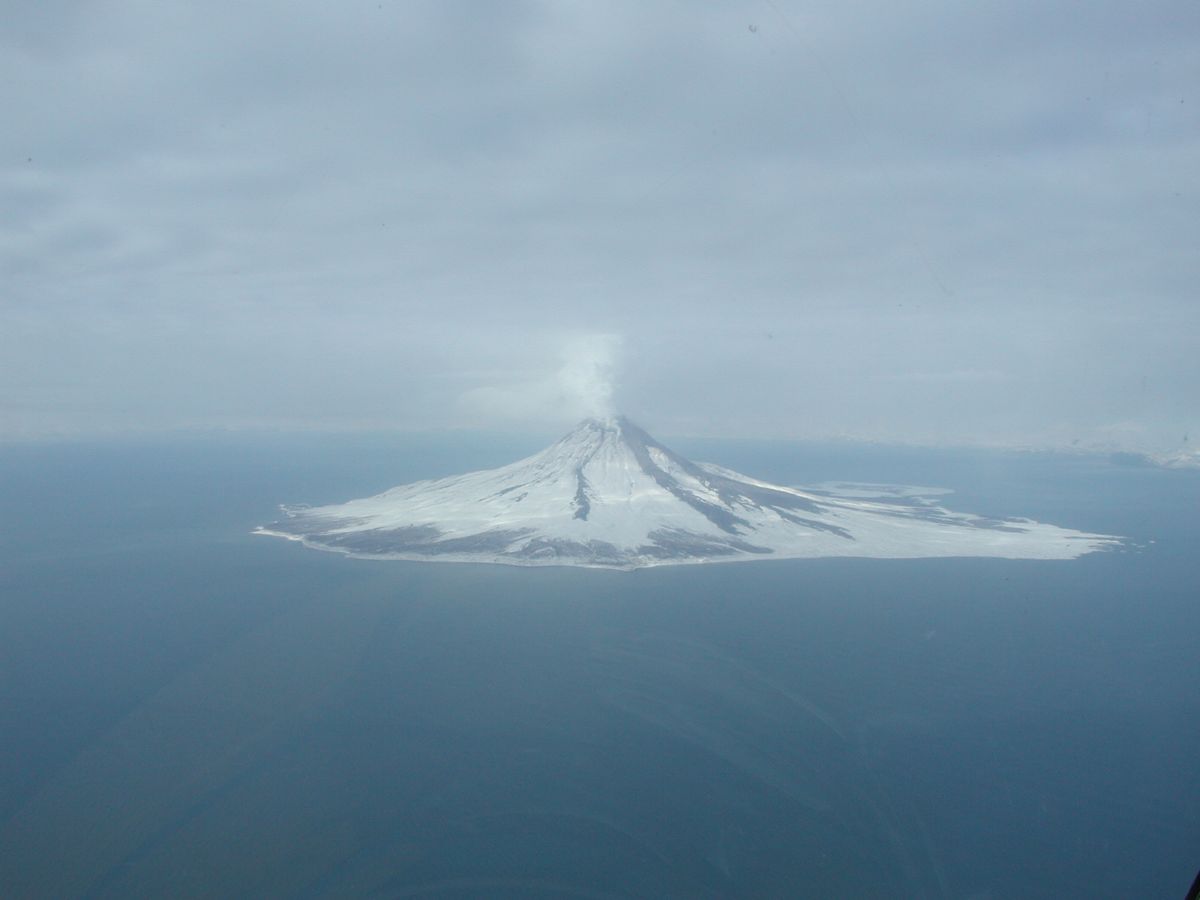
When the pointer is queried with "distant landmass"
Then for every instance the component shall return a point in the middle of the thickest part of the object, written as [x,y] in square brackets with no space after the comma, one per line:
[609,495]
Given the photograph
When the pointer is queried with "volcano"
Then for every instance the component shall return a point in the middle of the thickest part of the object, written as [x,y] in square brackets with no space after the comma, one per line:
[609,495]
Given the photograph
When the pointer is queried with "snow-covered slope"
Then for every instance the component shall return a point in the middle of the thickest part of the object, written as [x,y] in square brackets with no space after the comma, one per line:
[608,494]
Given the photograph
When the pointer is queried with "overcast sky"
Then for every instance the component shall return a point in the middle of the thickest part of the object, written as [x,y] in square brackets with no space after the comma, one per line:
[939,222]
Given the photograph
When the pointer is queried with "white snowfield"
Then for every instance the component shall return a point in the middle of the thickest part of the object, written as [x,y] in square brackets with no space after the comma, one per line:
[608,495]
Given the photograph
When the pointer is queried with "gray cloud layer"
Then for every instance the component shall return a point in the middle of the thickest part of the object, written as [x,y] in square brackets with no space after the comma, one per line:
[936,221]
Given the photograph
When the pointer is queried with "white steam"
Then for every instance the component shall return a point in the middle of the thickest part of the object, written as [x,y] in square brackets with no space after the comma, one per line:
[586,379]
[581,386]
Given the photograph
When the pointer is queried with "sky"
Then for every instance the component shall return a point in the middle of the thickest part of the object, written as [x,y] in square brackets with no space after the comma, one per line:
[933,222]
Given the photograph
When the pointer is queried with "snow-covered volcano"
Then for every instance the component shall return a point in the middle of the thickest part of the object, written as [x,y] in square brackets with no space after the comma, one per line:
[608,494]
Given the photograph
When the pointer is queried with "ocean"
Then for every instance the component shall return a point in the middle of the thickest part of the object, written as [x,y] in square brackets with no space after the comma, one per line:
[187,709]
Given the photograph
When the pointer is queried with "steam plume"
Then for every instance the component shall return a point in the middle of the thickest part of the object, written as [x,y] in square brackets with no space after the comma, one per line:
[586,378]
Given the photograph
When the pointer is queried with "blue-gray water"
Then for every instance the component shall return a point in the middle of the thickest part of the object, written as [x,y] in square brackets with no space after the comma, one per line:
[186,709]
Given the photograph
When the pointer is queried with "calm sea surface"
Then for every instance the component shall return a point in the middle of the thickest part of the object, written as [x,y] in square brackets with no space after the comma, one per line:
[190,710]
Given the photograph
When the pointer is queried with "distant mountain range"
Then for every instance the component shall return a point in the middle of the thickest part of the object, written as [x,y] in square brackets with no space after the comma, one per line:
[608,495]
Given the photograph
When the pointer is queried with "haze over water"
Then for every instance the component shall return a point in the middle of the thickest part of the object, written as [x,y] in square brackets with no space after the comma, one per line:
[190,710]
